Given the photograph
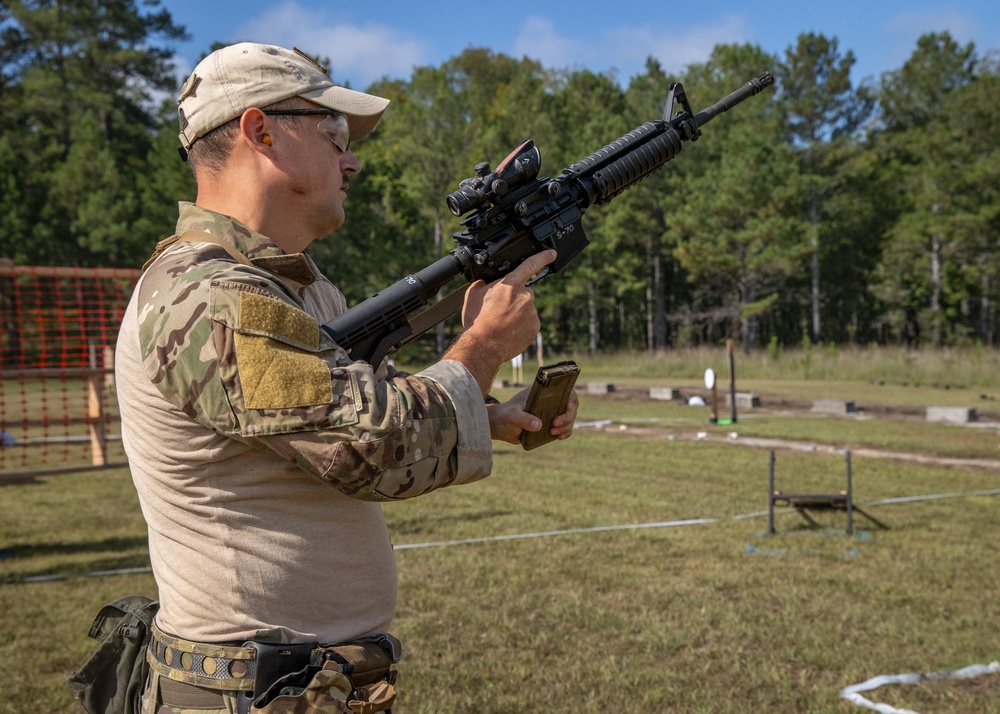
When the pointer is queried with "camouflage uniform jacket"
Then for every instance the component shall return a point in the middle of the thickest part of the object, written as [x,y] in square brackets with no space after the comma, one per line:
[258,447]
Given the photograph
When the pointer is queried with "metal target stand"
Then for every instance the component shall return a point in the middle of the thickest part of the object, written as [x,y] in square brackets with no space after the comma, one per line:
[804,502]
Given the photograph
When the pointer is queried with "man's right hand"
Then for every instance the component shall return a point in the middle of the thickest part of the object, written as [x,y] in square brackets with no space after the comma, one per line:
[500,320]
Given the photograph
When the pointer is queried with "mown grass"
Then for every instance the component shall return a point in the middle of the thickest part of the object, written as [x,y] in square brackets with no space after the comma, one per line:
[713,617]
[688,619]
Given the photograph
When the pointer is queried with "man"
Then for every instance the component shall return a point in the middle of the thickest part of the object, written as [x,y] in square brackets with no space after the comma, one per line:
[258,448]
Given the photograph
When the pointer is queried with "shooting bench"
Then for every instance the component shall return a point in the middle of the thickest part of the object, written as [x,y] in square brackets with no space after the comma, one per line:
[803,502]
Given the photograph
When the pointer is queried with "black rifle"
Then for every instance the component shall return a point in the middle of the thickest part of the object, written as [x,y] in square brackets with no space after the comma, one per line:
[514,215]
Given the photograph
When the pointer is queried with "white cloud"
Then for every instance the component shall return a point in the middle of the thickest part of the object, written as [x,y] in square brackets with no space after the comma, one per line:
[675,48]
[182,68]
[539,40]
[902,30]
[359,54]
[912,23]
[626,47]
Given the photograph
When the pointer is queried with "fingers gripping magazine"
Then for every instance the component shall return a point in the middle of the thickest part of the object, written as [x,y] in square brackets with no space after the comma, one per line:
[548,398]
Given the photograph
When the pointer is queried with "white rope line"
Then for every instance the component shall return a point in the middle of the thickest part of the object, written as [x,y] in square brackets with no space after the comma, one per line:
[670,524]
[545,534]
[910,499]
[568,531]
[90,574]
[851,693]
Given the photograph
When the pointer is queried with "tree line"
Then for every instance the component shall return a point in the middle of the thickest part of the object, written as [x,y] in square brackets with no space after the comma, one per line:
[822,210]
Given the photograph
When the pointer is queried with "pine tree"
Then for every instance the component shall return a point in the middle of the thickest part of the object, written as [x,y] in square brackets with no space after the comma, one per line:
[739,235]
[80,76]
[918,104]
[820,109]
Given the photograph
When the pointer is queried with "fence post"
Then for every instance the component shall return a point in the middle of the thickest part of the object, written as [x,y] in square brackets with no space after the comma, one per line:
[109,369]
[95,411]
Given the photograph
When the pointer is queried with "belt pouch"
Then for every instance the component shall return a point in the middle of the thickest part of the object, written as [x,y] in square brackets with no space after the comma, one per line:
[112,680]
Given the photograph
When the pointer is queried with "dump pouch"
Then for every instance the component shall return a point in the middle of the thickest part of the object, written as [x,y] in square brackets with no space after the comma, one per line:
[113,679]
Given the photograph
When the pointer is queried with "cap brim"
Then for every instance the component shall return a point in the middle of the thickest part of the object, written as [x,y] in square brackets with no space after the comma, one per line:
[363,111]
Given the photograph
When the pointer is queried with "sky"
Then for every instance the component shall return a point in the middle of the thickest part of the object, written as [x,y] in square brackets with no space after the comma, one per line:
[389,38]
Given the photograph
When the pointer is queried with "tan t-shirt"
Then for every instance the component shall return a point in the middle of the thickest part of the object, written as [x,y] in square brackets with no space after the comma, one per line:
[258,535]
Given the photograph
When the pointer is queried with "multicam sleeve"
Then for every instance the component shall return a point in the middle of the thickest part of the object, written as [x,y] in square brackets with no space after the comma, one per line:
[243,359]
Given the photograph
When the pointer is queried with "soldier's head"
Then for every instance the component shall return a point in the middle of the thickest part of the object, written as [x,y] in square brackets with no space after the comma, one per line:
[268,136]
[248,75]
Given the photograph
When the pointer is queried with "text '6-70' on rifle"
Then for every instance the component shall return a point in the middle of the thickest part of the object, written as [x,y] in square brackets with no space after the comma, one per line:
[515,214]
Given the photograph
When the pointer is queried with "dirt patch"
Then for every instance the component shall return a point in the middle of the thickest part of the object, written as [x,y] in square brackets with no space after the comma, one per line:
[693,434]
[782,403]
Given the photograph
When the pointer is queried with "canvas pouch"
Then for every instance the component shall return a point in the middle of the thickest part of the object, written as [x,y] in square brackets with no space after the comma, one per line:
[112,680]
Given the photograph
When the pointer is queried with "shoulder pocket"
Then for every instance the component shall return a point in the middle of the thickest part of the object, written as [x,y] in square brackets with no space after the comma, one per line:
[276,371]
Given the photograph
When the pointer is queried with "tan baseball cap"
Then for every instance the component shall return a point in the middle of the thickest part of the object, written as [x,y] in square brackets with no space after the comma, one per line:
[231,80]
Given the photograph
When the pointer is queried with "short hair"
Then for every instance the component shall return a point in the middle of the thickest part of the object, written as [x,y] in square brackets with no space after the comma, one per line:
[211,152]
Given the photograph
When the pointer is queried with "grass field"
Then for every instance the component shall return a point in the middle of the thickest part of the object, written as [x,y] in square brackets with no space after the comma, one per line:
[601,614]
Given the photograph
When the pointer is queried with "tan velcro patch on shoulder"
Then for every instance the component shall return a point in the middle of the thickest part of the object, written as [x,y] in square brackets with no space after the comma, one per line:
[259,313]
[278,376]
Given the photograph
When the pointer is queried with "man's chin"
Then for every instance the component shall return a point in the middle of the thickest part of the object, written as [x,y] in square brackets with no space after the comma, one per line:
[334,224]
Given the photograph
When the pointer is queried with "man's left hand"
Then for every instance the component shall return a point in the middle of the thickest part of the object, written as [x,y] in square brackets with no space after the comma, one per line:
[508,420]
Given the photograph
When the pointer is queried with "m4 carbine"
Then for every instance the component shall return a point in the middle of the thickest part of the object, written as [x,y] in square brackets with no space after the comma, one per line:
[513,214]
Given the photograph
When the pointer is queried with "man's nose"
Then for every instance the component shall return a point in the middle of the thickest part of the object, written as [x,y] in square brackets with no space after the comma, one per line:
[349,163]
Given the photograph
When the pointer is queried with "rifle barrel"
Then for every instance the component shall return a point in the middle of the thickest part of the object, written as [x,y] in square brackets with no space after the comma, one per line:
[754,86]
[624,162]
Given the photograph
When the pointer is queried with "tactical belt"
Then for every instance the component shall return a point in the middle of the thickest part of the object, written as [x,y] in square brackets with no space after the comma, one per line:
[205,665]
[235,668]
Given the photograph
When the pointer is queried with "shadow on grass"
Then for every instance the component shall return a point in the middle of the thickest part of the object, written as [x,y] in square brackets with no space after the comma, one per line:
[414,526]
[100,546]
[111,554]
[813,524]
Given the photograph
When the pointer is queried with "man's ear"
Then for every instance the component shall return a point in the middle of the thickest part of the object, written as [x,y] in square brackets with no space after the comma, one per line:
[254,131]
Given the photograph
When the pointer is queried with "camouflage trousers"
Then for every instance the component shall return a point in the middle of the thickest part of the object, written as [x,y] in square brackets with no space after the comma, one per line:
[329,692]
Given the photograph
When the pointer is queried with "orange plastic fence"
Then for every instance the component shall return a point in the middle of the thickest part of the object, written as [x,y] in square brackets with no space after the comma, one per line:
[58,411]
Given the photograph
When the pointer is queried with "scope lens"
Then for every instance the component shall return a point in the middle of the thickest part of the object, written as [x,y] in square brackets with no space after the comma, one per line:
[464,200]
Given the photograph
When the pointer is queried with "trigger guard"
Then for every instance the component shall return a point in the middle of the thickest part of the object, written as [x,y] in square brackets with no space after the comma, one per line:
[538,276]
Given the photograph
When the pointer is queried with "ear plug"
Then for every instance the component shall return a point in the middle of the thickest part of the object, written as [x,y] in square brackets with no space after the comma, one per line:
[266,139]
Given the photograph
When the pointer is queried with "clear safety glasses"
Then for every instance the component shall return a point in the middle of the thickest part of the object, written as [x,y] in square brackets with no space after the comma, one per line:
[334,126]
